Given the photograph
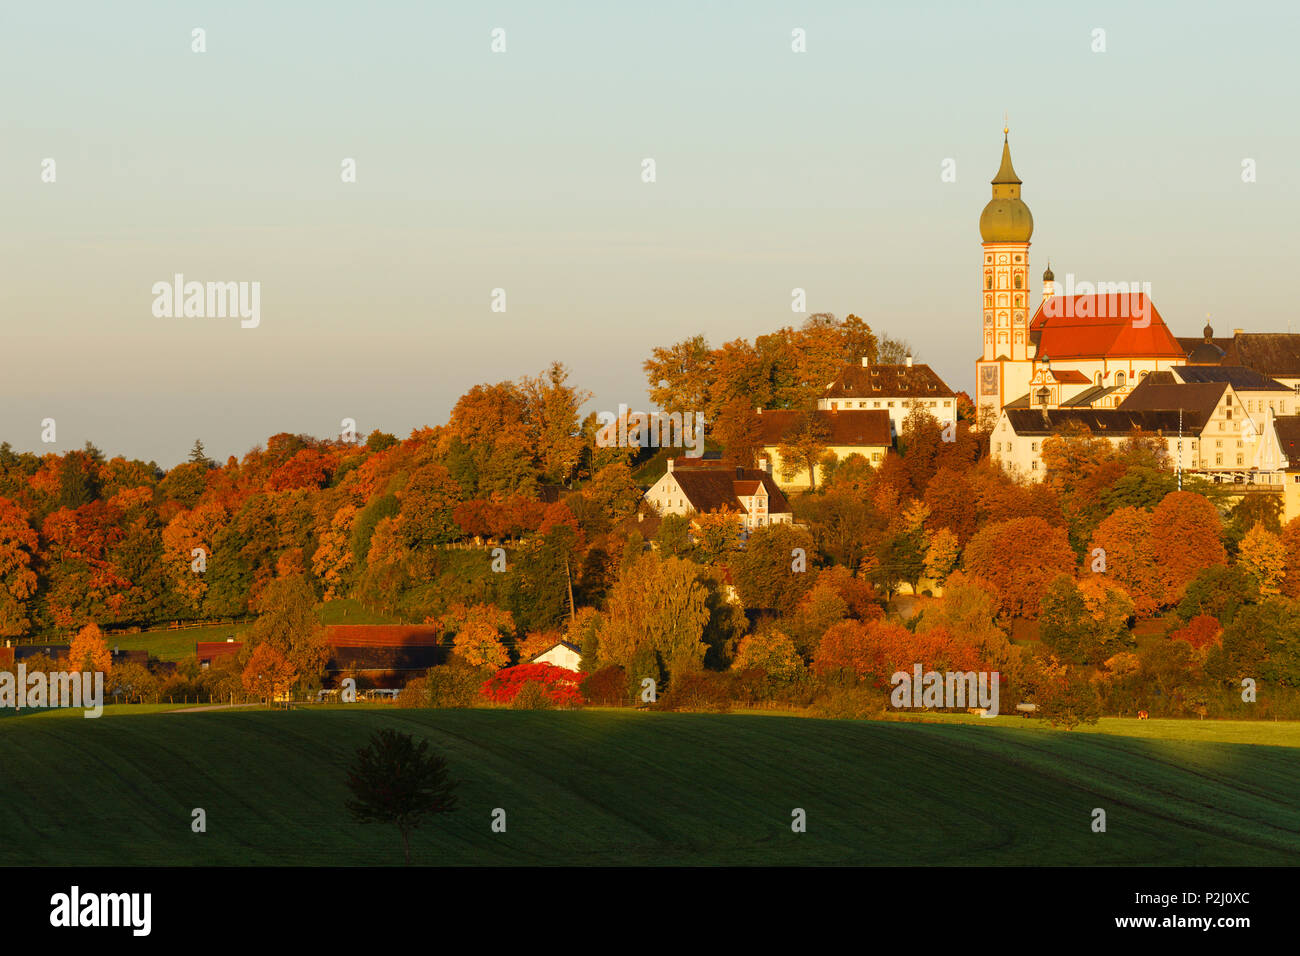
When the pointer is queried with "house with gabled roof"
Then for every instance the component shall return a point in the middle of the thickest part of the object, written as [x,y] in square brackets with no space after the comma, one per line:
[1213,420]
[703,486]
[893,389]
[561,654]
[865,432]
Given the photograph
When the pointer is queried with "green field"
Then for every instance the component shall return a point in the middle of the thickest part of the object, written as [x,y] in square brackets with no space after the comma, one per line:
[174,645]
[169,644]
[636,788]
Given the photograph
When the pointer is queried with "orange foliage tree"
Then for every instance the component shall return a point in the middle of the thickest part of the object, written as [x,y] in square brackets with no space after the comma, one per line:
[1019,559]
[18,543]
[879,649]
[89,652]
[1188,540]
[268,672]
[1128,550]
[478,629]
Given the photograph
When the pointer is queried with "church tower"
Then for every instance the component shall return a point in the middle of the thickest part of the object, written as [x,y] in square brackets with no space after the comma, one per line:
[1002,374]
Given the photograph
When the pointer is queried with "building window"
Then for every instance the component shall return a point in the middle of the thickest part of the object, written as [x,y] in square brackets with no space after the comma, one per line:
[1033,466]
[1218,459]
[1239,459]
[1119,379]
[988,280]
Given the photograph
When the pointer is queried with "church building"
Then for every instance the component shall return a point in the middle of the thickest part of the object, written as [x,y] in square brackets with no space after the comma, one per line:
[1065,350]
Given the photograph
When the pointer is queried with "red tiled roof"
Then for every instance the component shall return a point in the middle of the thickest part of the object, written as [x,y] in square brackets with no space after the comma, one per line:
[1093,326]
[1070,376]
[846,428]
[383,635]
[211,650]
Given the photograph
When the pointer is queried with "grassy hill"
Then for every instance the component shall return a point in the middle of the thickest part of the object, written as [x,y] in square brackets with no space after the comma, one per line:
[622,787]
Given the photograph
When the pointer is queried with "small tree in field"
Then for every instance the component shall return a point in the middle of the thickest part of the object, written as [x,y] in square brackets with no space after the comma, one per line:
[396,780]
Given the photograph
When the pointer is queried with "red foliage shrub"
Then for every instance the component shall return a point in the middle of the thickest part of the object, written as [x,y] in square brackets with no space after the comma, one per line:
[607,686]
[1199,631]
[561,684]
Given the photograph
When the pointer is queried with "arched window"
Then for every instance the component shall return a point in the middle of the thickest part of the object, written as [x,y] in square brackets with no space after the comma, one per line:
[1119,378]
[1096,379]
[988,280]
[1017,280]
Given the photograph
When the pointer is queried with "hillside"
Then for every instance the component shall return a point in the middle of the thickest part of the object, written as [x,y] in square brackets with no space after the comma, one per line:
[605,787]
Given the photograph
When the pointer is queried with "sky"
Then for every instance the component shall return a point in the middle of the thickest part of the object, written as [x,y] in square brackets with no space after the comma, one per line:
[522,170]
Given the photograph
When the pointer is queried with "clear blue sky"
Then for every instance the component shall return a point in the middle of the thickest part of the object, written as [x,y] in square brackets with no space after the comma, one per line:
[522,170]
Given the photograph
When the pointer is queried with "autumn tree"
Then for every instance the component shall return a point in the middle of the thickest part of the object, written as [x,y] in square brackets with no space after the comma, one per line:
[679,376]
[487,443]
[1188,540]
[555,440]
[772,570]
[1291,549]
[478,630]
[717,533]
[1083,622]
[969,607]
[18,547]
[287,622]
[1124,543]
[771,650]
[941,554]
[395,780]
[803,447]
[1263,556]
[656,618]
[89,652]
[739,430]
[268,673]
[1200,631]
[1019,559]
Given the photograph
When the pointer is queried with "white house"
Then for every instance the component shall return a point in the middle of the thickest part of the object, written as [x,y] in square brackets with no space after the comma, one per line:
[893,389]
[562,654]
[701,486]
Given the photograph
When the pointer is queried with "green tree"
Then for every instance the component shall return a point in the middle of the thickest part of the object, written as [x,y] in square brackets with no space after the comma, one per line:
[395,780]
